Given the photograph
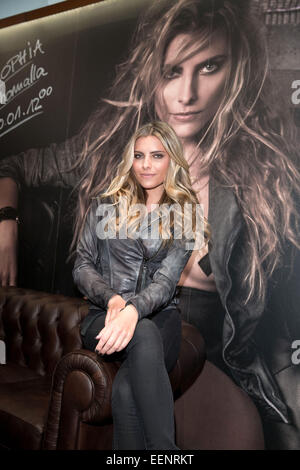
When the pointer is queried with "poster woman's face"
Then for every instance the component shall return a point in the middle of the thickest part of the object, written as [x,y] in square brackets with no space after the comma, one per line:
[192,90]
[151,162]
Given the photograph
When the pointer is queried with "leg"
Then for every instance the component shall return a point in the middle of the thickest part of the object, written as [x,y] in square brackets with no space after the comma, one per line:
[147,354]
[142,399]
[128,430]
[91,330]
[204,310]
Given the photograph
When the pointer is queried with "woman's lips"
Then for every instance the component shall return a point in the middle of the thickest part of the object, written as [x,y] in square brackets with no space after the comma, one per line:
[147,175]
[186,117]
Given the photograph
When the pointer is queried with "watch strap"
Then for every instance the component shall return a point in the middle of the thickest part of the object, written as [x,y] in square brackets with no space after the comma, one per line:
[9,213]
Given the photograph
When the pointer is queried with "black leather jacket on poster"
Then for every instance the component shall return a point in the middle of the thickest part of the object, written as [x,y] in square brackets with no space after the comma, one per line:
[143,271]
[257,337]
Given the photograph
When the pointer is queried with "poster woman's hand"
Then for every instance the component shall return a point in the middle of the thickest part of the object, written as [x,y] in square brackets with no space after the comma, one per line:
[115,304]
[116,335]
[8,252]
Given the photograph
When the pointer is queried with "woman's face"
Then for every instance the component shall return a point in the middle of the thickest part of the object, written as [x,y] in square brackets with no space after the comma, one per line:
[192,90]
[150,163]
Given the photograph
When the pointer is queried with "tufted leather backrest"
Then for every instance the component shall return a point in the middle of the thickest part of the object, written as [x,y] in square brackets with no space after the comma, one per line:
[39,328]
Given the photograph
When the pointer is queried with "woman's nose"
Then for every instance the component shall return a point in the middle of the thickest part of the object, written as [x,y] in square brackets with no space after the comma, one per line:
[147,162]
[187,92]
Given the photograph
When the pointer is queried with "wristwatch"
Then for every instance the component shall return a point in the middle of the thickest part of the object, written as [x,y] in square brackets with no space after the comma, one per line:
[9,213]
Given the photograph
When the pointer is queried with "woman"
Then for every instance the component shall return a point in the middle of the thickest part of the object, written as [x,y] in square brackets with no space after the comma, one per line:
[208,61]
[133,317]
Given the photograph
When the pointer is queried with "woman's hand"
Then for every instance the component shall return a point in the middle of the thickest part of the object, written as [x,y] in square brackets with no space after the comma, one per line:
[116,335]
[115,304]
[8,252]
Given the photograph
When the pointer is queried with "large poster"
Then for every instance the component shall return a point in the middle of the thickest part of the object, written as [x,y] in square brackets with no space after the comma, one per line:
[55,73]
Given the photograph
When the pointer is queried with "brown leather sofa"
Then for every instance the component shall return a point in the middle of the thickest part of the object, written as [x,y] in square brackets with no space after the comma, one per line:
[53,393]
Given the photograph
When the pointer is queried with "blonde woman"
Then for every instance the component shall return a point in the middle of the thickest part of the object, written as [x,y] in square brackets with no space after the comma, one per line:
[130,282]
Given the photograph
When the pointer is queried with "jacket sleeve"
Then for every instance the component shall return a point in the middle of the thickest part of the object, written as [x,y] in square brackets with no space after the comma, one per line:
[88,280]
[46,166]
[160,291]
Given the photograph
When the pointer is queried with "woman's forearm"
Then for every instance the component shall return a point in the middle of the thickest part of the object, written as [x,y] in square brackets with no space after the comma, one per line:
[8,234]
[8,193]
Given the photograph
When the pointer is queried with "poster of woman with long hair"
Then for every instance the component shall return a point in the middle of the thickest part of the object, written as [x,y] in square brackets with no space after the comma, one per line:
[225,75]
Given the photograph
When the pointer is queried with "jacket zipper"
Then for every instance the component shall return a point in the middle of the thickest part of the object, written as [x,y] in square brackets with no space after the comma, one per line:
[229,250]
[143,267]
[142,275]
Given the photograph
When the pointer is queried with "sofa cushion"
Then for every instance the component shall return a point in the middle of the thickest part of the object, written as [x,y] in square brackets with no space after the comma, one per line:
[23,409]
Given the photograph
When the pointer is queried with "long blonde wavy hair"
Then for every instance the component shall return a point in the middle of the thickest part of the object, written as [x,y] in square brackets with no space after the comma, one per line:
[247,146]
[126,192]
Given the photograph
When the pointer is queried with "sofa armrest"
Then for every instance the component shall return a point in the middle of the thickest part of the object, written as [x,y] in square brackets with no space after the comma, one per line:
[81,392]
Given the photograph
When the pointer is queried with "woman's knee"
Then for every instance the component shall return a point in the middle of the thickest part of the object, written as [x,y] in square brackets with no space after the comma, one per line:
[89,341]
[146,330]
[146,346]
[93,328]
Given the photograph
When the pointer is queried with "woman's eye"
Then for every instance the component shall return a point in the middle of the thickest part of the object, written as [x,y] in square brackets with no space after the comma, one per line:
[172,73]
[137,155]
[209,68]
[158,155]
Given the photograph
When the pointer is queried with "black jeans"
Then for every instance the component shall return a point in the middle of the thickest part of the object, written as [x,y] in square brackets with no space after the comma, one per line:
[204,310]
[142,397]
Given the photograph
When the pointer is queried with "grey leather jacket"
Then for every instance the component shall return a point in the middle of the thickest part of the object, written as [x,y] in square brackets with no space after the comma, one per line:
[143,271]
